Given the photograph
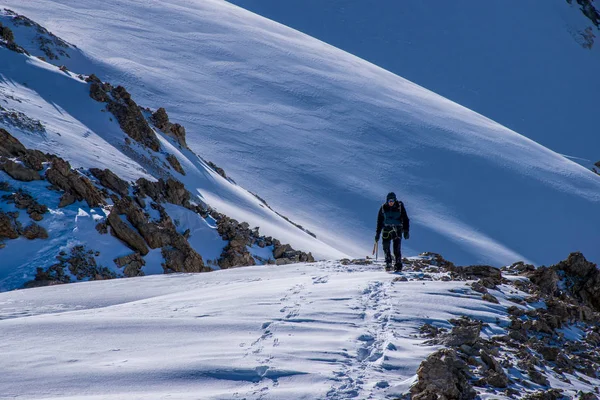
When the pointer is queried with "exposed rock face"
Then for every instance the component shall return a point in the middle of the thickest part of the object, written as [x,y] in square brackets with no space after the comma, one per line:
[236,253]
[8,39]
[240,236]
[50,44]
[178,254]
[128,113]
[175,164]
[170,191]
[18,171]
[75,185]
[131,119]
[218,170]
[122,231]
[488,276]
[581,278]
[10,146]
[285,254]
[181,257]
[443,375]
[34,231]
[132,264]
[24,201]
[80,262]
[160,119]
[6,34]
[111,181]
[464,332]
[7,228]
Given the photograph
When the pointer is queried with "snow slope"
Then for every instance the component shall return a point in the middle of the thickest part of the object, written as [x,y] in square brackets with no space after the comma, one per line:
[323,135]
[303,331]
[521,64]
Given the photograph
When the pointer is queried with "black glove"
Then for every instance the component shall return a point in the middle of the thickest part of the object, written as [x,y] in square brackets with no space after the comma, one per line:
[377,237]
[406,235]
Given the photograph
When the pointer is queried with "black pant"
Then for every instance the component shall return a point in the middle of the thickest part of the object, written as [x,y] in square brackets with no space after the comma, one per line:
[388,237]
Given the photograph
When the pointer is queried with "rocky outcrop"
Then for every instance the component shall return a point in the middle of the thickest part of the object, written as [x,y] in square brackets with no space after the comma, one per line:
[218,170]
[181,257]
[160,119]
[79,262]
[25,201]
[535,349]
[6,34]
[487,275]
[51,45]
[110,180]
[285,254]
[122,231]
[236,253]
[240,236]
[34,231]
[575,275]
[10,146]
[76,186]
[175,164]
[443,375]
[126,111]
[170,191]
[7,39]
[132,264]
[32,160]
[18,171]
[7,228]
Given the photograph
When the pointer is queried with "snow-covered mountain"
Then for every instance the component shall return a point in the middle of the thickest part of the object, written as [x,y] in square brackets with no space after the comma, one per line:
[87,149]
[531,67]
[322,135]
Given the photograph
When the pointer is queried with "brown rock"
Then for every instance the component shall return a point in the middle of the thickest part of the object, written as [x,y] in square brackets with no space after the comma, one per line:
[181,257]
[131,119]
[122,231]
[66,200]
[110,180]
[178,132]
[19,171]
[443,375]
[488,297]
[175,164]
[73,183]
[462,335]
[97,93]
[279,251]
[132,264]
[7,229]
[161,119]
[549,353]
[34,159]
[10,146]
[34,231]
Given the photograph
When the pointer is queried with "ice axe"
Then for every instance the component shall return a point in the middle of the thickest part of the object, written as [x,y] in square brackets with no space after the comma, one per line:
[376,250]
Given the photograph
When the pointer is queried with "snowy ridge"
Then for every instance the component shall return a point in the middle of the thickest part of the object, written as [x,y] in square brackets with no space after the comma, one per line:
[322,135]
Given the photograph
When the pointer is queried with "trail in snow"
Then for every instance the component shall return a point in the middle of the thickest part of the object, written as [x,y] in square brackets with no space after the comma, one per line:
[302,331]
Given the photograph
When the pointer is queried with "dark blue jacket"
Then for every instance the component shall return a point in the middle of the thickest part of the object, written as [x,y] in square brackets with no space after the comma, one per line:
[393,216]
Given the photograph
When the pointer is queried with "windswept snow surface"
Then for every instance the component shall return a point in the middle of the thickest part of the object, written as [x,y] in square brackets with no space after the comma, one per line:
[521,64]
[323,135]
[304,331]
